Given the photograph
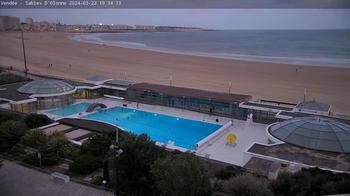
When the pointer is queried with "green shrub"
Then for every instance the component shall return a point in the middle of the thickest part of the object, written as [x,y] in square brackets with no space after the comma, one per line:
[11,133]
[228,172]
[181,174]
[5,116]
[247,185]
[11,78]
[97,180]
[47,159]
[17,152]
[36,139]
[134,164]
[312,181]
[36,120]
[84,164]
[97,145]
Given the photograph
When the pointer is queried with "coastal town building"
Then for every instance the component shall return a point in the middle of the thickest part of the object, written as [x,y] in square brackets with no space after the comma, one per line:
[9,23]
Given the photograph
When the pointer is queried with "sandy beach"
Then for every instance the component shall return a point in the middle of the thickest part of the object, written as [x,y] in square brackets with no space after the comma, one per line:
[261,80]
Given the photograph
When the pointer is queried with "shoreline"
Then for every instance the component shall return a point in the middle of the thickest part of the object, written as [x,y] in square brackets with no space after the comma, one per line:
[271,81]
[94,38]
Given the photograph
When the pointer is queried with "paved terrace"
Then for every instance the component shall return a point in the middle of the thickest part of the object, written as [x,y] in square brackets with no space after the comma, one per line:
[17,180]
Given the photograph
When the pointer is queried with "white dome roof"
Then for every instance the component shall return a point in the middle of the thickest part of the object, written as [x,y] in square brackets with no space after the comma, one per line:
[38,87]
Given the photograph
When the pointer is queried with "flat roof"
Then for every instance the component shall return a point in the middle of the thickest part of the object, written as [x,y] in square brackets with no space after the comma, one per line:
[331,160]
[97,78]
[314,105]
[299,114]
[190,93]
[78,83]
[276,107]
[9,92]
[56,128]
[78,133]
[89,125]
[123,83]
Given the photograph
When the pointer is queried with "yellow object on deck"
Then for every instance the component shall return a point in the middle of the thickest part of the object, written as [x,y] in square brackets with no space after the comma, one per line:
[231,138]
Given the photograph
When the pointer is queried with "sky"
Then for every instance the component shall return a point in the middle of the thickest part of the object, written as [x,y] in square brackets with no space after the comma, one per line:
[204,18]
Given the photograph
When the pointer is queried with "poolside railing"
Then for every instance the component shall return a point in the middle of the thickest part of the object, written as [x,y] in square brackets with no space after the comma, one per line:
[212,137]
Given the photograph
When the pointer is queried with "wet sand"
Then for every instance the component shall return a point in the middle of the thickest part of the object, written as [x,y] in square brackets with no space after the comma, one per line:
[261,80]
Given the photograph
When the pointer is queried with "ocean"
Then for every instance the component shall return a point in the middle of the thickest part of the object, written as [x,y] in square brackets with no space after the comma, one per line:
[304,47]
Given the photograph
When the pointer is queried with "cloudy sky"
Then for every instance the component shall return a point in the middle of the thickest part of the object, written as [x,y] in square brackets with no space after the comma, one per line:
[206,18]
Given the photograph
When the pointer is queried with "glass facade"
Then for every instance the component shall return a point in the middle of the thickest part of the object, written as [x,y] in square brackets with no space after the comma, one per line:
[44,103]
[114,92]
[87,93]
[200,105]
[265,117]
[24,107]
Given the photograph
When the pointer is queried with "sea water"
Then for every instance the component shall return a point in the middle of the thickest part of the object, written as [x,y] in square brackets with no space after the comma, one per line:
[307,47]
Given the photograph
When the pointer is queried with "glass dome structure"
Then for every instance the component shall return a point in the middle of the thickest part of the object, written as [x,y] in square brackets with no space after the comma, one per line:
[46,87]
[313,132]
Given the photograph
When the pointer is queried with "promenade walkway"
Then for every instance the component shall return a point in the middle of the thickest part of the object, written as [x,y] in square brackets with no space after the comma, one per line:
[16,180]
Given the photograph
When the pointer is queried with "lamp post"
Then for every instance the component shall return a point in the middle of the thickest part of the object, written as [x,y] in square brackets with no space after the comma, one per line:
[117,152]
[24,52]
[229,87]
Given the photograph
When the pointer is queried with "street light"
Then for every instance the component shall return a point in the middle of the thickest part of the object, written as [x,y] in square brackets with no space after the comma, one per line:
[117,152]
[24,51]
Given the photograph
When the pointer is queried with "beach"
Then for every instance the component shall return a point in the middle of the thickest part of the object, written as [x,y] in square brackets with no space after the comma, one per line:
[262,80]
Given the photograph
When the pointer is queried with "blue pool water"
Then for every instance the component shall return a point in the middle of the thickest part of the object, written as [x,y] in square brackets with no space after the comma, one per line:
[161,128]
[70,109]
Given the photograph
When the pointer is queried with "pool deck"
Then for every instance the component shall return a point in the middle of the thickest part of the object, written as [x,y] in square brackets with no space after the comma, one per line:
[246,133]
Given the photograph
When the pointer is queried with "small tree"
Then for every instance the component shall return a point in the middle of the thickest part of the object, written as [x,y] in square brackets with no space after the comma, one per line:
[36,120]
[58,143]
[84,164]
[35,139]
[11,133]
[181,174]
[247,185]
[228,172]
[98,145]
[134,165]
[312,181]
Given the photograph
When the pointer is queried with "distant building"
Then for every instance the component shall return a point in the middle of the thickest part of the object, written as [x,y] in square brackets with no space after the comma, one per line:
[144,27]
[29,21]
[9,23]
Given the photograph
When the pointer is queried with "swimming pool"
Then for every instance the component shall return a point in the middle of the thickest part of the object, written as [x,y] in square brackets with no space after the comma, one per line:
[70,109]
[184,133]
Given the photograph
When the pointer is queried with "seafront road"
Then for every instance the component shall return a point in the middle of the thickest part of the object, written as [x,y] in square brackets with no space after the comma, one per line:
[17,180]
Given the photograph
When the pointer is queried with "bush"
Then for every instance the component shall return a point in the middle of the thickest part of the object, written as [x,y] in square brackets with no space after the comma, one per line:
[47,159]
[11,133]
[311,182]
[181,174]
[97,146]
[97,180]
[17,152]
[11,78]
[5,116]
[59,144]
[35,139]
[134,165]
[84,164]
[36,120]
[246,185]
[228,172]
